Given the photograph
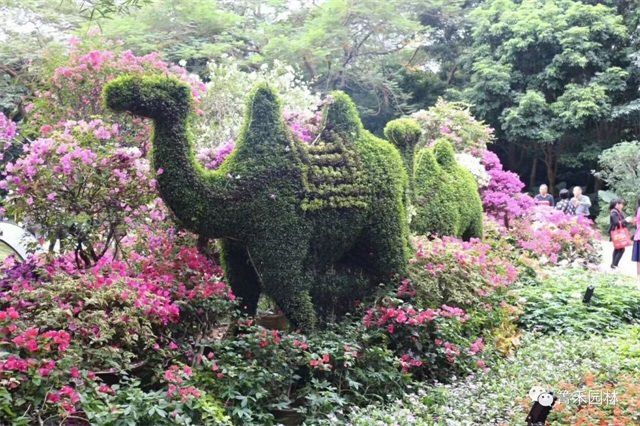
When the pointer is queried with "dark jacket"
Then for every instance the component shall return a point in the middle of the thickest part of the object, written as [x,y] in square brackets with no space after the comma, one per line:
[616,219]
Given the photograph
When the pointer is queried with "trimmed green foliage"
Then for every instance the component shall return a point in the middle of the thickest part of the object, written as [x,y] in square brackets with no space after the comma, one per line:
[294,220]
[463,192]
[433,197]
[444,194]
[404,133]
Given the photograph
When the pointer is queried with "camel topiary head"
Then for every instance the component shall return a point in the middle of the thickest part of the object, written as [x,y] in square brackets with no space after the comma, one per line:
[154,97]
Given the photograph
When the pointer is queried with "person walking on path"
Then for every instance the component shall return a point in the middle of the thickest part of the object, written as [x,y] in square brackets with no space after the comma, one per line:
[544,198]
[582,203]
[565,205]
[635,254]
[616,220]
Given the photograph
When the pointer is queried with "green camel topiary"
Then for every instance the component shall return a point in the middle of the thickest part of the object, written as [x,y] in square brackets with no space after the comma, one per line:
[299,222]
[444,194]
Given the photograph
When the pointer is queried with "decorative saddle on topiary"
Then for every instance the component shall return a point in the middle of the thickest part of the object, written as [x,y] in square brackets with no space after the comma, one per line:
[315,227]
[333,175]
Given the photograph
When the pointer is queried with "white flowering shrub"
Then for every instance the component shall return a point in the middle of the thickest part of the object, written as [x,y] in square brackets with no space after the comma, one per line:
[474,165]
[453,121]
[222,107]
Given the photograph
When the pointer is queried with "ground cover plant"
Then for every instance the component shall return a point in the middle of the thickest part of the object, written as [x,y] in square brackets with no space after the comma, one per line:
[555,305]
[500,397]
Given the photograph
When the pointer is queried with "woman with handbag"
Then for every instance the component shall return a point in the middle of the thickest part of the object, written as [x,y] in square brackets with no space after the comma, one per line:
[635,254]
[618,231]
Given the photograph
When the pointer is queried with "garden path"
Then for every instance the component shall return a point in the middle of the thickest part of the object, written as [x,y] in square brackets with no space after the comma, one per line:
[626,266]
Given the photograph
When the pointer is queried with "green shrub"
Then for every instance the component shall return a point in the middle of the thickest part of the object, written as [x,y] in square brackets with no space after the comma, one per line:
[464,192]
[444,196]
[433,198]
[555,304]
[260,372]
[290,215]
[404,134]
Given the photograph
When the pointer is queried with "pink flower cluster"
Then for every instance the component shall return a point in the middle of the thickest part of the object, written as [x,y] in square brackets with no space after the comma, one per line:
[406,315]
[502,198]
[211,158]
[553,236]
[321,363]
[32,340]
[74,92]
[408,362]
[67,398]
[449,257]
[8,131]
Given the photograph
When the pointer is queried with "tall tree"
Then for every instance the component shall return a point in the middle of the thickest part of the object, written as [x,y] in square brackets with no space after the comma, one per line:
[547,74]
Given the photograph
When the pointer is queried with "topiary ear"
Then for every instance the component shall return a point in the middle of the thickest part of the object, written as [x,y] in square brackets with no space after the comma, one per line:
[263,120]
[342,116]
[444,153]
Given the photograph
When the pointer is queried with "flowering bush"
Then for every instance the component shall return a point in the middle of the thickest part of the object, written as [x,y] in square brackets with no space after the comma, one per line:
[8,132]
[454,272]
[501,197]
[475,166]
[79,187]
[454,122]
[224,113]
[553,236]
[8,129]
[74,90]
[428,342]
[86,181]
[64,328]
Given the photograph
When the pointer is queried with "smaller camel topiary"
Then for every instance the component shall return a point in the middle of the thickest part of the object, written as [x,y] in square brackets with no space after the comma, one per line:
[443,194]
[313,226]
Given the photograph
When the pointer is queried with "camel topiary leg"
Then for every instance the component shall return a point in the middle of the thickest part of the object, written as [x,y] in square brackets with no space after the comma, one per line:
[387,242]
[281,269]
[474,230]
[240,274]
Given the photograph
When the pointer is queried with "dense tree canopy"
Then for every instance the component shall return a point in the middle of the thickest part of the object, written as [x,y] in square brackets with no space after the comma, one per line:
[558,80]
[547,75]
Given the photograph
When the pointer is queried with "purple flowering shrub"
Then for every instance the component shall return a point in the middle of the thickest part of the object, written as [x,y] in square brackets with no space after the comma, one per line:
[502,198]
[78,186]
[84,180]
[8,131]
[539,232]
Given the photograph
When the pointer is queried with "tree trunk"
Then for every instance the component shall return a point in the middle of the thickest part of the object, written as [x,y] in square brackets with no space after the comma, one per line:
[534,172]
[512,158]
[551,161]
